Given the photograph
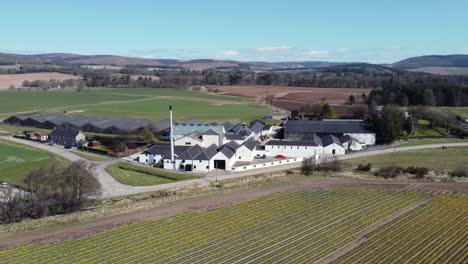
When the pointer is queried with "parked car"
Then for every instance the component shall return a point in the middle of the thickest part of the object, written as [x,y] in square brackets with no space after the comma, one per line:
[280,157]
[4,185]
[51,143]
[68,147]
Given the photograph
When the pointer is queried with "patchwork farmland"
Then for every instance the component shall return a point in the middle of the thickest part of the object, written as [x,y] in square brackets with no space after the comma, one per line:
[306,226]
[138,103]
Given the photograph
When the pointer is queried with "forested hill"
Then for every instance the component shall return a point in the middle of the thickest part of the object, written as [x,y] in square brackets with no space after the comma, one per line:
[433,61]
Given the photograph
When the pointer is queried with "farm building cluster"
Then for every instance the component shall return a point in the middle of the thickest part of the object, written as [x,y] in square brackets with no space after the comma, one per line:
[202,147]
[94,124]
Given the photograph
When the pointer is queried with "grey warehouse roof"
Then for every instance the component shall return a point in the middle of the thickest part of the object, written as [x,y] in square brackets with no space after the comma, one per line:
[329,126]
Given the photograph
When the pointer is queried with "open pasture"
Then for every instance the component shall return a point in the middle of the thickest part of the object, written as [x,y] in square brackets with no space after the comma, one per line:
[138,103]
[298,227]
[16,161]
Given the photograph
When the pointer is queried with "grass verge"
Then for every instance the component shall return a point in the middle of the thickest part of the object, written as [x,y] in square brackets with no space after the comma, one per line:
[134,175]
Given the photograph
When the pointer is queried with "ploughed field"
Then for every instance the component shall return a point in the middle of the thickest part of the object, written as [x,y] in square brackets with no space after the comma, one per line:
[297,227]
[292,98]
[133,102]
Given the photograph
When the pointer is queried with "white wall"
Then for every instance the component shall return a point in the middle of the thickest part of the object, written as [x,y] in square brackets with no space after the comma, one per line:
[268,164]
[364,138]
[201,166]
[339,150]
[209,140]
[229,161]
[292,151]
[187,141]
[244,154]
[149,158]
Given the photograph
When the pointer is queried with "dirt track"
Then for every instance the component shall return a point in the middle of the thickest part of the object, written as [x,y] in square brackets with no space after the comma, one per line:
[57,234]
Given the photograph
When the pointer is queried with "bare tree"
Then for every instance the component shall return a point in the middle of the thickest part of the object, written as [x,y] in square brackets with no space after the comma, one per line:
[79,183]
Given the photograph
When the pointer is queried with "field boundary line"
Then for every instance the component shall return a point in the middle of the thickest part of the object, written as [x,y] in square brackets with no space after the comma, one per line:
[362,236]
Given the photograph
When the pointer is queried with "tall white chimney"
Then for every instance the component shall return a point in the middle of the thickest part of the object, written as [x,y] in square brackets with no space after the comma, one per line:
[171,137]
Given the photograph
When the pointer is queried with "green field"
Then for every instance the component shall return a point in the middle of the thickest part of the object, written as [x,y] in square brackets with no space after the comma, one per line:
[445,159]
[425,132]
[16,161]
[299,227]
[133,177]
[134,102]
[462,111]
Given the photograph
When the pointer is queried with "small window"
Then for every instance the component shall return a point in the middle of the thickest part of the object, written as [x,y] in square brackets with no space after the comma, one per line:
[194,167]
[183,161]
[207,167]
[297,147]
[245,168]
[240,157]
[188,143]
[200,161]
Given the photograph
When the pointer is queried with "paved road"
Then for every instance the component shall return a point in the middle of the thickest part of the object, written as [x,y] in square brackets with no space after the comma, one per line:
[112,188]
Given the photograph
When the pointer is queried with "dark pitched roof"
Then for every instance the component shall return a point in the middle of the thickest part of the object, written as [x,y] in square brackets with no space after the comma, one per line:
[329,126]
[165,150]
[227,151]
[191,153]
[233,145]
[228,125]
[234,137]
[250,144]
[256,127]
[291,143]
[210,132]
[65,131]
[208,153]
[329,139]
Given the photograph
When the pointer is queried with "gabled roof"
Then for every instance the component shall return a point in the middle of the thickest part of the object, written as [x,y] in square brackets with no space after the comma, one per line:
[250,144]
[227,151]
[165,150]
[65,131]
[210,132]
[234,137]
[208,153]
[191,153]
[233,145]
[327,126]
[256,127]
[329,139]
[228,125]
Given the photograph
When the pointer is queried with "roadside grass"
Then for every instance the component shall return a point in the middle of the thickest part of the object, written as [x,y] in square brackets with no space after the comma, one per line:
[437,159]
[134,175]
[90,157]
[430,142]
[17,161]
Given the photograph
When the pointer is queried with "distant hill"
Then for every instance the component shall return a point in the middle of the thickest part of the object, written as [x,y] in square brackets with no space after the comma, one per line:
[65,59]
[433,61]
[364,69]
[449,64]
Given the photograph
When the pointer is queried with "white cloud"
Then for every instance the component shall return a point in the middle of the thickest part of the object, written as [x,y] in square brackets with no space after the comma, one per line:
[316,53]
[228,54]
[273,49]
[344,50]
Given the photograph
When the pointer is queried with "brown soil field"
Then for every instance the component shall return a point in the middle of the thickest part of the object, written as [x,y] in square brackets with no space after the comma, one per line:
[291,98]
[17,79]
[202,204]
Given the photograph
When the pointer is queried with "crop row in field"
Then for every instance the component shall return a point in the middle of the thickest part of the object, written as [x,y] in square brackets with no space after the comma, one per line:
[433,233]
[287,227]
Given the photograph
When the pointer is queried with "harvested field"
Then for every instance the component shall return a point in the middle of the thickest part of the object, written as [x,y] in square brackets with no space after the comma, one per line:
[290,98]
[17,79]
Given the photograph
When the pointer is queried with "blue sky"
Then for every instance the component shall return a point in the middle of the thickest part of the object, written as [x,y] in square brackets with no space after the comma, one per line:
[377,31]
